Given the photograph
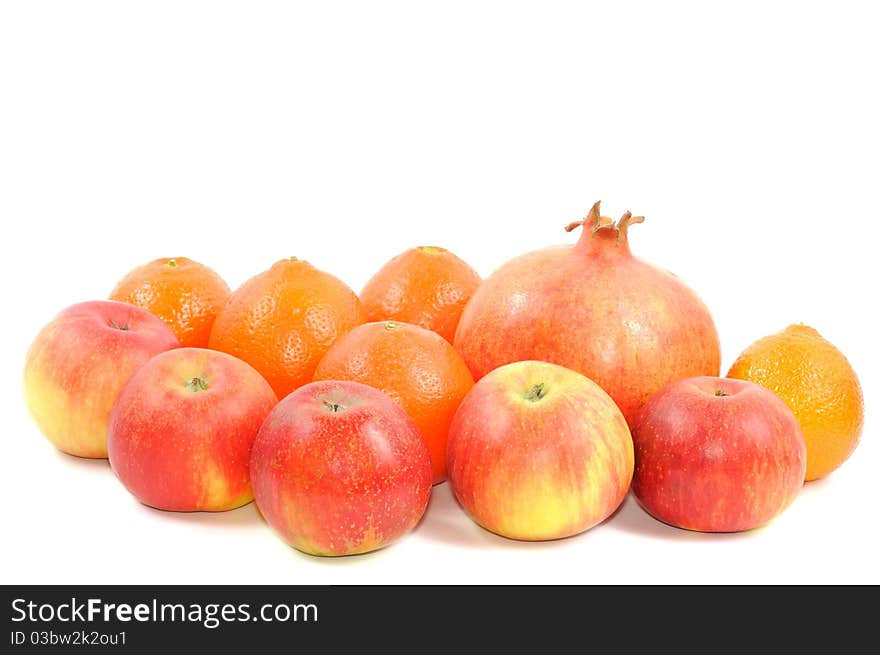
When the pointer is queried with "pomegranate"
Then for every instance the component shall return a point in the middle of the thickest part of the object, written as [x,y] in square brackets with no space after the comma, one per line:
[593,307]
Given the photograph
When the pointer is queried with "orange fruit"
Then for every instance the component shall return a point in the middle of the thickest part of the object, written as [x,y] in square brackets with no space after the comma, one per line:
[184,293]
[426,286]
[283,320]
[817,382]
[416,367]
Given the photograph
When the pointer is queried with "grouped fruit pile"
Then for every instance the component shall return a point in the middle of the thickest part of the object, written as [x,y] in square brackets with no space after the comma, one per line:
[543,394]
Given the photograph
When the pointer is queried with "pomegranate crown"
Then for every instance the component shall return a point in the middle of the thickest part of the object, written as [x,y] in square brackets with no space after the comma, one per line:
[594,222]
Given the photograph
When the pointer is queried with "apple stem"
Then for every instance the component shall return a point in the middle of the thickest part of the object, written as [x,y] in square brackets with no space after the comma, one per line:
[334,407]
[196,384]
[721,392]
[118,326]
[536,392]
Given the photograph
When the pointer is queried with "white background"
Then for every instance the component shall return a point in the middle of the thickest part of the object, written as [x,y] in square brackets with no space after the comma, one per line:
[344,133]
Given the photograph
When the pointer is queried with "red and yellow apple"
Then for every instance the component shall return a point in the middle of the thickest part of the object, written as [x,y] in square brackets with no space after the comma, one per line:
[537,451]
[717,455]
[182,430]
[77,365]
[339,468]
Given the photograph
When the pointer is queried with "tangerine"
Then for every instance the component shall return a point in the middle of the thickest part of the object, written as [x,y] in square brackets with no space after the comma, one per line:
[427,286]
[418,368]
[819,385]
[185,294]
[283,320]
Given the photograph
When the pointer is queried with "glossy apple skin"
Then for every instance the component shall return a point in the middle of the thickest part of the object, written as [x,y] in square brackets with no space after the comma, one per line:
[717,455]
[339,469]
[539,469]
[79,362]
[183,427]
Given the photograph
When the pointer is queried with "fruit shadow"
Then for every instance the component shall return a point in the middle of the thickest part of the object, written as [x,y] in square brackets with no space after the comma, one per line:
[249,517]
[630,517]
[446,522]
[440,522]
[88,464]
[246,516]
[816,486]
